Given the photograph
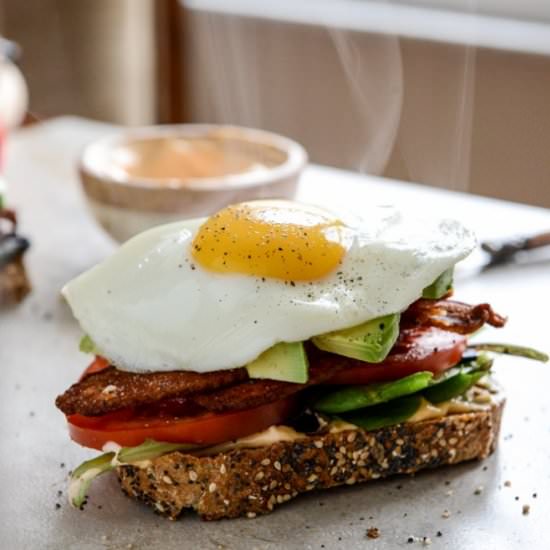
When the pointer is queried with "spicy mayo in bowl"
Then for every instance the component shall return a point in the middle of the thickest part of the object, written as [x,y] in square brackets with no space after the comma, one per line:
[139,178]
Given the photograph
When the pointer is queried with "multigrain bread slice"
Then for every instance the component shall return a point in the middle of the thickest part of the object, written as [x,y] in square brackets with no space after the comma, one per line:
[14,284]
[248,482]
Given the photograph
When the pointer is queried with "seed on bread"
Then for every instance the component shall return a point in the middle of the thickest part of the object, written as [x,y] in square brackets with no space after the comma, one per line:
[257,480]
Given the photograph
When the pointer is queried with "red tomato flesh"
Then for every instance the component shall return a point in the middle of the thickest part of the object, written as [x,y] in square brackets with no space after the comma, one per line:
[417,349]
[98,364]
[127,430]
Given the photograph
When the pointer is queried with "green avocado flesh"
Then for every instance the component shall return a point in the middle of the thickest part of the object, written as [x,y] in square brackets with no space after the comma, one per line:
[440,286]
[285,361]
[369,407]
[87,345]
[370,341]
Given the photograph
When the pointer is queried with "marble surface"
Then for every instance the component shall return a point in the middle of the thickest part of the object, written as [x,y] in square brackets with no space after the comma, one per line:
[39,358]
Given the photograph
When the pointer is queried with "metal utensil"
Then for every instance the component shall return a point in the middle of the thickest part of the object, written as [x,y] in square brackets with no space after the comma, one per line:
[504,250]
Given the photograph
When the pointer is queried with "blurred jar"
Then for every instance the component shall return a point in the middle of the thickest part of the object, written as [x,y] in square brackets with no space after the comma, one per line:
[14,95]
[14,98]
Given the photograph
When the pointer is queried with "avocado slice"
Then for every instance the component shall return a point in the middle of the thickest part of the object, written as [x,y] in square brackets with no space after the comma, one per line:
[370,341]
[285,361]
[440,286]
[87,345]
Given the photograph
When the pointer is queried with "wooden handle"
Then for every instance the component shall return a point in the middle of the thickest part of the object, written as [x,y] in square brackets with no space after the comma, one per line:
[543,239]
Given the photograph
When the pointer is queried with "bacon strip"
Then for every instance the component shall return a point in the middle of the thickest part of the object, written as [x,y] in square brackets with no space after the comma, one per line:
[451,315]
[112,389]
[257,392]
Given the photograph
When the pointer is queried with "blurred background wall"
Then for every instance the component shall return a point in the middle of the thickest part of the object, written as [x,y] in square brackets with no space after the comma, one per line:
[400,89]
[94,58]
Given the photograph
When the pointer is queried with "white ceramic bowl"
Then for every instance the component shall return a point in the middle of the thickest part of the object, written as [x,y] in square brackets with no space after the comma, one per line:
[125,205]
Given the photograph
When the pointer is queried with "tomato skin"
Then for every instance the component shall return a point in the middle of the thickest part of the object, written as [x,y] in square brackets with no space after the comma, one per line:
[418,349]
[98,364]
[123,428]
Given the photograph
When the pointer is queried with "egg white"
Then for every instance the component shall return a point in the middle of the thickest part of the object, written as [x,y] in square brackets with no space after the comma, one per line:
[150,307]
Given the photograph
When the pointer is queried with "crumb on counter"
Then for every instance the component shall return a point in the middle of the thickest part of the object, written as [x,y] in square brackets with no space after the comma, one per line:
[373,533]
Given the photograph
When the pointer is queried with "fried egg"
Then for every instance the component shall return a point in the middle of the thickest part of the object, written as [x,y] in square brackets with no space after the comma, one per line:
[212,294]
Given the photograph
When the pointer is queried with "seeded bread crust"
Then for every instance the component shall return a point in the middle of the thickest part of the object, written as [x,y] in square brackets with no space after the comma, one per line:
[249,482]
[14,284]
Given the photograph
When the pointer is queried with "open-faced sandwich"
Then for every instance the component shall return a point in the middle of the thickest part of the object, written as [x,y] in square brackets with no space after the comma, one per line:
[275,348]
[14,284]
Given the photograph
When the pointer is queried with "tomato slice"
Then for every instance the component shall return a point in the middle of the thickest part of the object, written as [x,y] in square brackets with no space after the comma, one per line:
[98,364]
[128,430]
[417,349]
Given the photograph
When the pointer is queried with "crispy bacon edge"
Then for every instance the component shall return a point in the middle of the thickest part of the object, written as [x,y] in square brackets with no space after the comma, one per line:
[111,389]
[451,315]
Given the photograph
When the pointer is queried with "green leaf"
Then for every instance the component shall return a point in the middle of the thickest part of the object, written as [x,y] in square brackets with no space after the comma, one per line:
[454,386]
[83,476]
[386,414]
[149,450]
[480,363]
[350,398]
[458,380]
[509,349]
[357,397]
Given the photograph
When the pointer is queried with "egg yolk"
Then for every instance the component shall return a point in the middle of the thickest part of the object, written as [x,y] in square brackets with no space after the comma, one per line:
[279,239]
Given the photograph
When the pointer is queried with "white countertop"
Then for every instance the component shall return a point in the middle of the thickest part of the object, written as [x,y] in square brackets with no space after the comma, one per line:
[520,28]
[39,358]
